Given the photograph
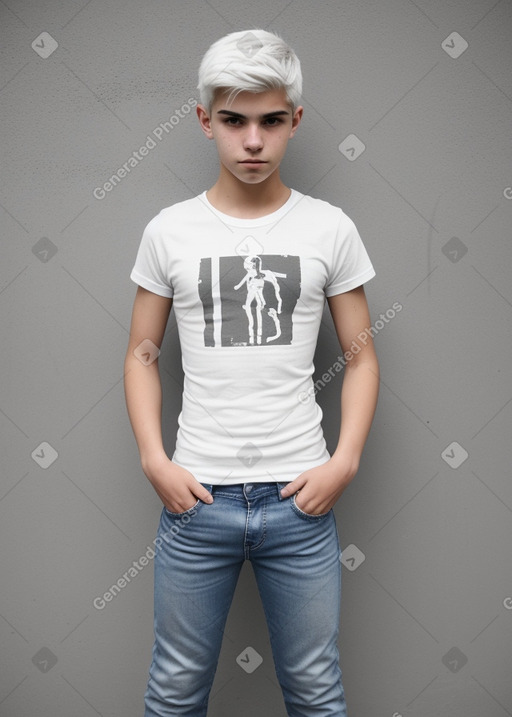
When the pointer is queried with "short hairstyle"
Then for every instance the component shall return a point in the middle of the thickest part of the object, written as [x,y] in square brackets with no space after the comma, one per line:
[253,61]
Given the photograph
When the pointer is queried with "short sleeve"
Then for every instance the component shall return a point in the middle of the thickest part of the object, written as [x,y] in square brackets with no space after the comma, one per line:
[350,266]
[151,264]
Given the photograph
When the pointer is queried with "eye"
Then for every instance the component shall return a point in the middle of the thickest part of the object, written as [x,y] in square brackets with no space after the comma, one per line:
[232,121]
[273,121]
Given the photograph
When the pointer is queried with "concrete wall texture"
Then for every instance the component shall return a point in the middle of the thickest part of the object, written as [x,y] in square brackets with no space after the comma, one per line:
[408,109]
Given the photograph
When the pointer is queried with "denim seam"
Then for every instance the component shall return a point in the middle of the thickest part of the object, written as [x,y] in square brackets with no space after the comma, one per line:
[246,548]
[230,495]
[303,514]
[264,531]
[179,515]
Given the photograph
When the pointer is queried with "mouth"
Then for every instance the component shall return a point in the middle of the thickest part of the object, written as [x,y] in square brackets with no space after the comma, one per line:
[253,162]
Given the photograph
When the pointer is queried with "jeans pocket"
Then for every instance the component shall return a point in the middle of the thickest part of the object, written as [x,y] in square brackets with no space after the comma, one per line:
[306,516]
[193,508]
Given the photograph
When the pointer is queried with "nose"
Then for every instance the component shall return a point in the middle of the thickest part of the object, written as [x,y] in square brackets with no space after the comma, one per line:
[252,138]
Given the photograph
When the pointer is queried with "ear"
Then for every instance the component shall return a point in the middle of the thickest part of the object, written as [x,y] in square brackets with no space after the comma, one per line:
[297,116]
[204,120]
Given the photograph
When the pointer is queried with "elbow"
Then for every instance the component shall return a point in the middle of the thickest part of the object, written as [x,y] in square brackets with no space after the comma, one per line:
[367,356]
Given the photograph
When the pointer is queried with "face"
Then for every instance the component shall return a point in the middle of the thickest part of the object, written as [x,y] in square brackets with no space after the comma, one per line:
[251,132]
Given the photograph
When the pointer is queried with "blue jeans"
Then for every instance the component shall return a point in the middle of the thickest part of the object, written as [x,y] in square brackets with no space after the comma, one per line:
[295,558]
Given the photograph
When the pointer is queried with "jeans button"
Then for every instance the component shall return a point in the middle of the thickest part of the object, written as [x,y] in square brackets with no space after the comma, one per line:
[248,487]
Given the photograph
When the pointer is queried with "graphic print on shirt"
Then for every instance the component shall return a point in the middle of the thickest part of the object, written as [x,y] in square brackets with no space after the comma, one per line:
[249,301]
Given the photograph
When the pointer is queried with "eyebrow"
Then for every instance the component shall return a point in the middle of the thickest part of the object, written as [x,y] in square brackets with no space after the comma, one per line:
[240,116]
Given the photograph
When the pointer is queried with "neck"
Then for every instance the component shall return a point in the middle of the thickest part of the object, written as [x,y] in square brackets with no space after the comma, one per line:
[238,199]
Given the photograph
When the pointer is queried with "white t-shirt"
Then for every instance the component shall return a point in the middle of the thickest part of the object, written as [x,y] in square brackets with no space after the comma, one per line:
[248,296]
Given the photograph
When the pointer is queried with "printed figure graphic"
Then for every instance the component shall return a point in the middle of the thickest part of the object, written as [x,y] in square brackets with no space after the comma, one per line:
[255,279]
[249,300]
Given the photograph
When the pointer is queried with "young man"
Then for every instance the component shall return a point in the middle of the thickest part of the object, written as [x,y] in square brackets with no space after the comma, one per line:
[247,266]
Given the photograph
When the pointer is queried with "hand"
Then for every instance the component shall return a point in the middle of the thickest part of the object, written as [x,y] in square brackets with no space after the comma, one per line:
[177,488]
[320,487]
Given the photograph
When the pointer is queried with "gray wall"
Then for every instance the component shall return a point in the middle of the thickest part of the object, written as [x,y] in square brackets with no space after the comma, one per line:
[426,617]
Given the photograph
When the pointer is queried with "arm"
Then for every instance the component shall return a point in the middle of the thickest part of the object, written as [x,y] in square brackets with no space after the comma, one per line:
[322,486]
[241,282]
[178,488]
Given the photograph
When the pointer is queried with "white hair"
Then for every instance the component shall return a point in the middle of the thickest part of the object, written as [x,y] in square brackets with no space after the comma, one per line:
[253,61]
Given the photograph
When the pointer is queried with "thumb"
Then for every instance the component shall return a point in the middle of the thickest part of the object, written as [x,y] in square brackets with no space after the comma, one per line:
[293,487]
[204,494]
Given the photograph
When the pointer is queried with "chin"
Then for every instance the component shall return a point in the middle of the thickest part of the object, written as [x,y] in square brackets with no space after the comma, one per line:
[248,179]
[253,180]
[256,178]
